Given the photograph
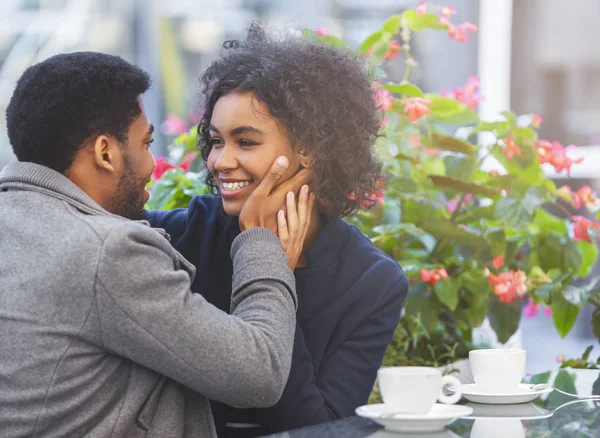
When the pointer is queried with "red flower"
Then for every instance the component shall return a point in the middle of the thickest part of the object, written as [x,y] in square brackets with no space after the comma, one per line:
[416,107]
[509,285]
[581,229]
[161,167]
[585,196]
[393,50]
[536,120]
[434,276]
[498,262]
[511,149]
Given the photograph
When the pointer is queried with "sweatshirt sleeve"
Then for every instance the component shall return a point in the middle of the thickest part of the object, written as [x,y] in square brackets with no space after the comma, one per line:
[148,314]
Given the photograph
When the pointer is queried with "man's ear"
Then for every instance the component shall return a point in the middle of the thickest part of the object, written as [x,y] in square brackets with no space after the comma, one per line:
[106,153]
[306,159]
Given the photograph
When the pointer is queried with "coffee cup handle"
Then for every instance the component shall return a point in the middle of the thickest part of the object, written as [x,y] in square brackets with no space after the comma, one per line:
[456,387]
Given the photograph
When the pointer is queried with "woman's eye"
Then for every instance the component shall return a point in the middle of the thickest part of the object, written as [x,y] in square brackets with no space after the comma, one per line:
[215,141]
[247,143]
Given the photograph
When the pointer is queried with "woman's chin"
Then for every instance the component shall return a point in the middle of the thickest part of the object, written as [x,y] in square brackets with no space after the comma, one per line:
[231,208]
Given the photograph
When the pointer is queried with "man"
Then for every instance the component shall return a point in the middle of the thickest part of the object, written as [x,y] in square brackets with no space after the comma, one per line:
[100,334]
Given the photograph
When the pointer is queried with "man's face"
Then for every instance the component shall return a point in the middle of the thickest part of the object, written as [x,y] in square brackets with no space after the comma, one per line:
[135,172]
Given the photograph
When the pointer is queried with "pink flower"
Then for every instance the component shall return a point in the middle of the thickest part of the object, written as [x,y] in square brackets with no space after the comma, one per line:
[536,120]
[445,13]
[555,154]
[434,276]
[161,167]
[416,107]
[453,203]
[498,262]
[560,358]
[581,228]
[393,50]
[585,196]
[467,94]
[421,8]
[459,33]
[511,149]
[383,99]
[174,125]
[548,311]
[372,198]
[509,285]
[321,31]
[531,309]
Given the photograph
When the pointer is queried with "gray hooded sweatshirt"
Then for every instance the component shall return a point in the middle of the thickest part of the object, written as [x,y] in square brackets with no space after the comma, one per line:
[100,335]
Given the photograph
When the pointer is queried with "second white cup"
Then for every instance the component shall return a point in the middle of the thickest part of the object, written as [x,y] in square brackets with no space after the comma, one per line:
[415,389]
[497,370]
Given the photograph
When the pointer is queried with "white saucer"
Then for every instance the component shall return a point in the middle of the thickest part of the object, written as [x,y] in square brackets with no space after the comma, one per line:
[521,411]
[440,416]
[522,394]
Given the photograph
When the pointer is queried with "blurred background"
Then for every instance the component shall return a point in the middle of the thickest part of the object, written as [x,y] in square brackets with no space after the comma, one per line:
[535,56]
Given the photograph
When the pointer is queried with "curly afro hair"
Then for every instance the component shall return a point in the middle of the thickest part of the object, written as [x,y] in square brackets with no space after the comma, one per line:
[62,102]
[321,95]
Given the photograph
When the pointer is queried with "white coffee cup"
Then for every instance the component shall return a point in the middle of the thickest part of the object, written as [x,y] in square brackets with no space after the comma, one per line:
[415,389]
[497,370]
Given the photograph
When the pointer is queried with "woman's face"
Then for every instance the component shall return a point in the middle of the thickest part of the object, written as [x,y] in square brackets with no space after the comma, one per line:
[245,140]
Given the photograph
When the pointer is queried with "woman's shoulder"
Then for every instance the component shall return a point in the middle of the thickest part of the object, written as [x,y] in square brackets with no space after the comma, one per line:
[359,258]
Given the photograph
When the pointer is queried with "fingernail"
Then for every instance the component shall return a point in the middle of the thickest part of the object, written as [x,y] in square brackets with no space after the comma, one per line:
[304,189]
[291,196]
[282,161]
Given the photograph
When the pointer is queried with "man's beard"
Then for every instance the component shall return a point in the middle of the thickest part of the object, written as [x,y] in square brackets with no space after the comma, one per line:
[129,199]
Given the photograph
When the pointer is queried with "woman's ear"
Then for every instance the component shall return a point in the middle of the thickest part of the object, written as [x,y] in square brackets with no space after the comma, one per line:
[306,159]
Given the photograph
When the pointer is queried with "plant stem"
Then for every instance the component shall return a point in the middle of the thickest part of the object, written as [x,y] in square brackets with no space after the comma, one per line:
[441,242]
[560,207]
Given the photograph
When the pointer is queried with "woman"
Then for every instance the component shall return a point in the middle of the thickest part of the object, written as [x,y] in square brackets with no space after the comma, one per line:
[313,104]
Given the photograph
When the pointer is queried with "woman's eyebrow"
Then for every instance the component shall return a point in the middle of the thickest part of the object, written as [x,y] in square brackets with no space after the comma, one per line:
[245,129]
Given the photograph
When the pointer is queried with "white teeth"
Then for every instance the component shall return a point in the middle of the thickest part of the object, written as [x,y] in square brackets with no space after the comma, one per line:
[235,185]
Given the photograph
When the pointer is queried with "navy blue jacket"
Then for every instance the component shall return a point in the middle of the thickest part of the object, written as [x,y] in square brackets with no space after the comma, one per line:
[349,302]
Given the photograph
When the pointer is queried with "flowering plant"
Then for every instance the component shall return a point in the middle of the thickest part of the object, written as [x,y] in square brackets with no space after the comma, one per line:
[475,244]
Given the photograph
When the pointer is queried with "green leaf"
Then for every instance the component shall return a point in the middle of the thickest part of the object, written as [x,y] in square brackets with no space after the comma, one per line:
[419,302]
[540,378]
[405,89]
[589,254]
[596,323]
[510,117]
[369,42]
[564,313]
[513,212]
[498,128]
[460,166]
[452,144]
[500,181]
[392,24]
[548,222]
[458,185]
[504,318]
[496,236]
[579,295]
[519,212]
[524,134]
[441,228]
[447,292]
[417,23]
[382,46]
[586,353]
[451,112]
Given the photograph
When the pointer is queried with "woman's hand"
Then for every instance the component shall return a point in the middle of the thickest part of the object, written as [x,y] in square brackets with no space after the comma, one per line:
[292,230]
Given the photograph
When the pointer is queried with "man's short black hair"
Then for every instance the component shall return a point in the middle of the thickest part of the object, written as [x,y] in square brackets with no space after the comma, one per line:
[67,99]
